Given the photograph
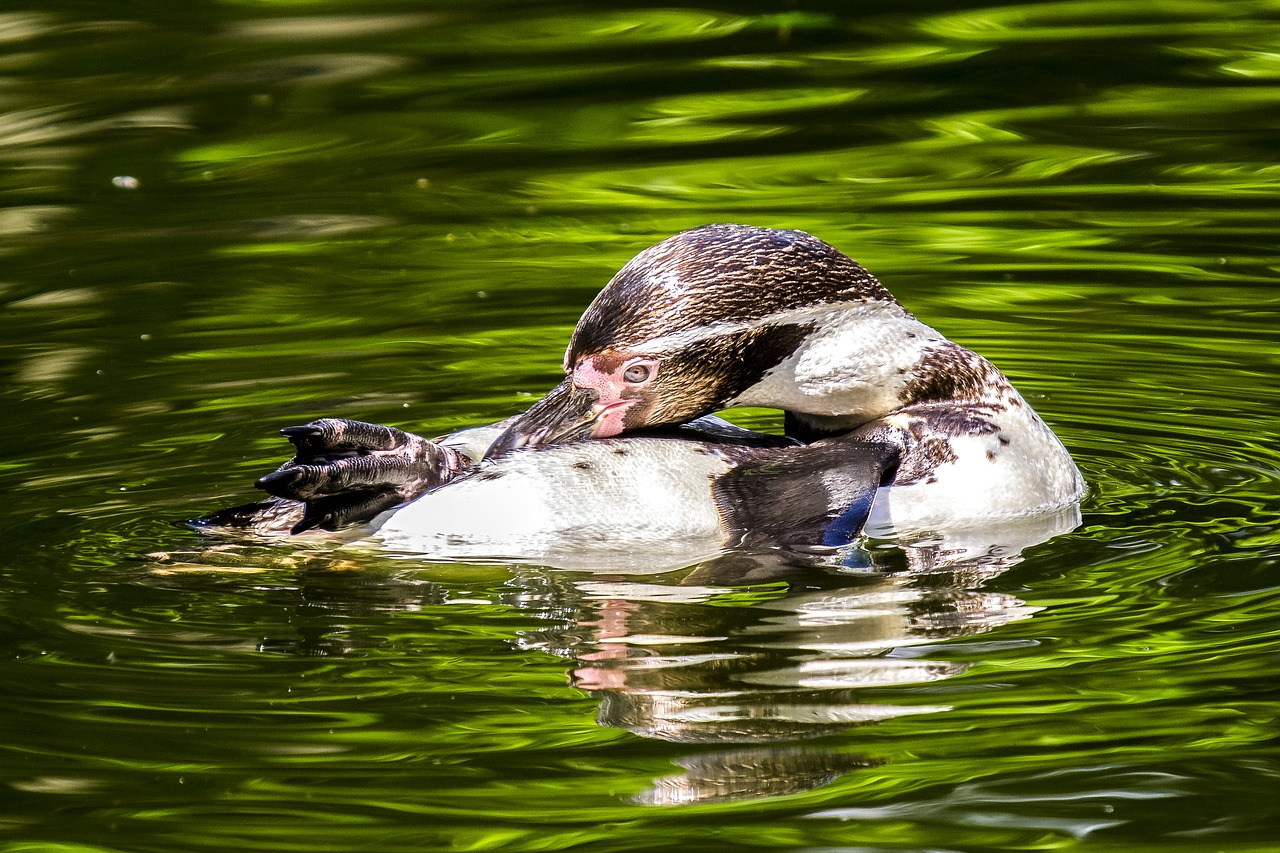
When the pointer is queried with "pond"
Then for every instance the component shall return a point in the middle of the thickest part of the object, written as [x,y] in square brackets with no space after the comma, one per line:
[220,219]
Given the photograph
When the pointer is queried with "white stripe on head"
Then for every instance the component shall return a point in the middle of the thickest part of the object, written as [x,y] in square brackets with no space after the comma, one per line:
[820,315]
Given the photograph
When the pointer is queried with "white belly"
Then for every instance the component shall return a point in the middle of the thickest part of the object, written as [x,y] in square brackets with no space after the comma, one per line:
[1019,472]
[649,506]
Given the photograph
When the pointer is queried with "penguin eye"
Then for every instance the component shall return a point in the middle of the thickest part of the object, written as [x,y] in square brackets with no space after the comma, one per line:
[636,373]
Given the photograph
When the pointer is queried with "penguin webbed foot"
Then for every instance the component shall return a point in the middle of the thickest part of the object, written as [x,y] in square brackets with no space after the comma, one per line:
[272,517]
[347,472]
[343,472]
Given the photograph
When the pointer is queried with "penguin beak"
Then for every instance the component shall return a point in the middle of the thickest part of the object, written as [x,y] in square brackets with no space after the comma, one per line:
[566,414]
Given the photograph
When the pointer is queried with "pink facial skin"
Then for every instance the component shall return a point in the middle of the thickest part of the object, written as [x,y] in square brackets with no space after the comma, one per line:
[619,382]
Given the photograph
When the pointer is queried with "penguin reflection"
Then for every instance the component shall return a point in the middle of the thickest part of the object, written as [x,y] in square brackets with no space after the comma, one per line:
[678,662]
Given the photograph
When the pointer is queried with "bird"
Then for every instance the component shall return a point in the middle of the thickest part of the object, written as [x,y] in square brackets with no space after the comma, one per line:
[890,429]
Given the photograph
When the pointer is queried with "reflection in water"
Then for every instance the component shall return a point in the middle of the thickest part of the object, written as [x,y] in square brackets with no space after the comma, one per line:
[972,555]
[793,661]
[744,774]
[741,655]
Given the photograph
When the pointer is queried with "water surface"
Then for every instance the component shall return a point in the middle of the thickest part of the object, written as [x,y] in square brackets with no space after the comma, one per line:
[219,219]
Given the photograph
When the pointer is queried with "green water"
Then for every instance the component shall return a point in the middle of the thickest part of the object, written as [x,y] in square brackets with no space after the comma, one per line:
[218,219]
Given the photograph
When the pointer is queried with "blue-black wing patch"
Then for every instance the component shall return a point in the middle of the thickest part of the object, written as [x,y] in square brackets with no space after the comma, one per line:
[815,494]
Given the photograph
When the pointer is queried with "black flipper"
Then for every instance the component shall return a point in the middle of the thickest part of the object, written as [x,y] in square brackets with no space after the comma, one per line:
[800,497]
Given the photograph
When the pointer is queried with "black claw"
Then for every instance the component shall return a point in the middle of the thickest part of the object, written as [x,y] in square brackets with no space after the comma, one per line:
[278,483]
[309,440]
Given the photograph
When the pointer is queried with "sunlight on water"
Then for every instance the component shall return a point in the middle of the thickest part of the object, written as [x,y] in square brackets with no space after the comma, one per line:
[220,221]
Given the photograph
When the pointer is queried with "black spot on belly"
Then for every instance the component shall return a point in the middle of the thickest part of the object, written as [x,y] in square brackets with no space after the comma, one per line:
[621,451]
[583,466]
[1003,439]
[922,459]
[991,456]
[490,475]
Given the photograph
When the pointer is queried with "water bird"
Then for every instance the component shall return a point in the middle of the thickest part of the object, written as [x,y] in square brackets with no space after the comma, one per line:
[890,429]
